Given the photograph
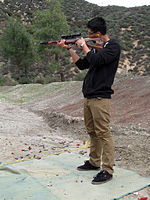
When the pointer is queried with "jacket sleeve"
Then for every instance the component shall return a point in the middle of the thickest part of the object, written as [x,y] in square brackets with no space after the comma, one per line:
[104,56]
[82,64]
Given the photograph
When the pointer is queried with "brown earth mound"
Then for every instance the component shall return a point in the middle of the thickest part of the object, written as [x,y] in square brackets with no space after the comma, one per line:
[130,103]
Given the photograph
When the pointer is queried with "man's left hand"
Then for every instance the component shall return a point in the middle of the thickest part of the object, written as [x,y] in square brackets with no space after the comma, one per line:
[79,42]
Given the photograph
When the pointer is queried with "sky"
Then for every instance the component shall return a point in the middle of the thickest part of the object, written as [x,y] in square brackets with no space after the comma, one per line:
[125,3]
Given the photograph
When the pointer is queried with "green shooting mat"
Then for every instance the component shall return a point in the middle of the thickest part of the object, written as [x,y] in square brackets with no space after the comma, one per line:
[56,178]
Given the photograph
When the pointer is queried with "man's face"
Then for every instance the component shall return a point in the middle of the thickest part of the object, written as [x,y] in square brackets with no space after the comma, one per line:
[91,34]
[90,31]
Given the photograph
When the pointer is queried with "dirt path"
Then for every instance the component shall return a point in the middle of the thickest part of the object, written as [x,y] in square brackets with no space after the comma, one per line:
[20,129]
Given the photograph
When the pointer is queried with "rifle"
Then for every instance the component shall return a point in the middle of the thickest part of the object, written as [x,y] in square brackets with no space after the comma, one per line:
[72,38]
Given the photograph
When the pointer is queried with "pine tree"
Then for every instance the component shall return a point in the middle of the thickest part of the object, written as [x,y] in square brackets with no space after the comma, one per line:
[48,25]
[17,46]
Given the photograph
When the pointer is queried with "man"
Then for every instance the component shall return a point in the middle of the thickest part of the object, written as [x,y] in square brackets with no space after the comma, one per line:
[102,66]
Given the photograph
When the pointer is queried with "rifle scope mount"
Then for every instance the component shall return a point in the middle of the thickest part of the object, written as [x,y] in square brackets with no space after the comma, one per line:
[71,36]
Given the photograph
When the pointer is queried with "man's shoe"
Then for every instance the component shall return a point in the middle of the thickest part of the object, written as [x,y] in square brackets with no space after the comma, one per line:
[87,166]
[102,177]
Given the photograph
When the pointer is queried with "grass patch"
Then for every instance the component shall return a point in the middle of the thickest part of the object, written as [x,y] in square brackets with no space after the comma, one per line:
[28,92]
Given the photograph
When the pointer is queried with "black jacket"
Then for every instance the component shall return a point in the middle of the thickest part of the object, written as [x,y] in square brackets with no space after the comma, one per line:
[102,67]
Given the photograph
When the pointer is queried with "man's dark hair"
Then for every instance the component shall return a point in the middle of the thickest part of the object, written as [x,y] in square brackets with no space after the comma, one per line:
[97,24]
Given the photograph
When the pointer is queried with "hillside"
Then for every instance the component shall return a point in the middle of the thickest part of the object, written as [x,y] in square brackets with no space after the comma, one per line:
[130,26]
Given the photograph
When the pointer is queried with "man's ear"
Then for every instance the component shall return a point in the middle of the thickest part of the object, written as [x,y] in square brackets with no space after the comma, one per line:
[98,34]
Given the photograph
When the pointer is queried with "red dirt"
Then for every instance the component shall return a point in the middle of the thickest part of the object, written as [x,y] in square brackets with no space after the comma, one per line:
[130,103]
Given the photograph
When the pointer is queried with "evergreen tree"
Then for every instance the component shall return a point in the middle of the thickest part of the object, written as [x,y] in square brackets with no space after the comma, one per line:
[17,46]
[48,25]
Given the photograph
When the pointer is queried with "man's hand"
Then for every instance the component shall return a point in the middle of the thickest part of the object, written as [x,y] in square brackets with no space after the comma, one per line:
[80,42]
[63,45]
[82,45]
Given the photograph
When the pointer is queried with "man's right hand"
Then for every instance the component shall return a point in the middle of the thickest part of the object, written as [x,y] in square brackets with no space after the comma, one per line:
[63,45]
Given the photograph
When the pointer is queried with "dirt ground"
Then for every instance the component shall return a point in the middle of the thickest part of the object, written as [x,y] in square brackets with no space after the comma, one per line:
[39,120]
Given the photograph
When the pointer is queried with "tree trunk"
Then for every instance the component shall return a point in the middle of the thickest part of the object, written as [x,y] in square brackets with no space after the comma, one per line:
[57,58]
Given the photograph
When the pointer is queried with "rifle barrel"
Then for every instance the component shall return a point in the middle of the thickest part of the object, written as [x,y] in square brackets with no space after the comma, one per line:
[70,41]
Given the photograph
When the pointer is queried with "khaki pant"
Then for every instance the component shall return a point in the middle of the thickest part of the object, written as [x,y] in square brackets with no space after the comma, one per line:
[97,120]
